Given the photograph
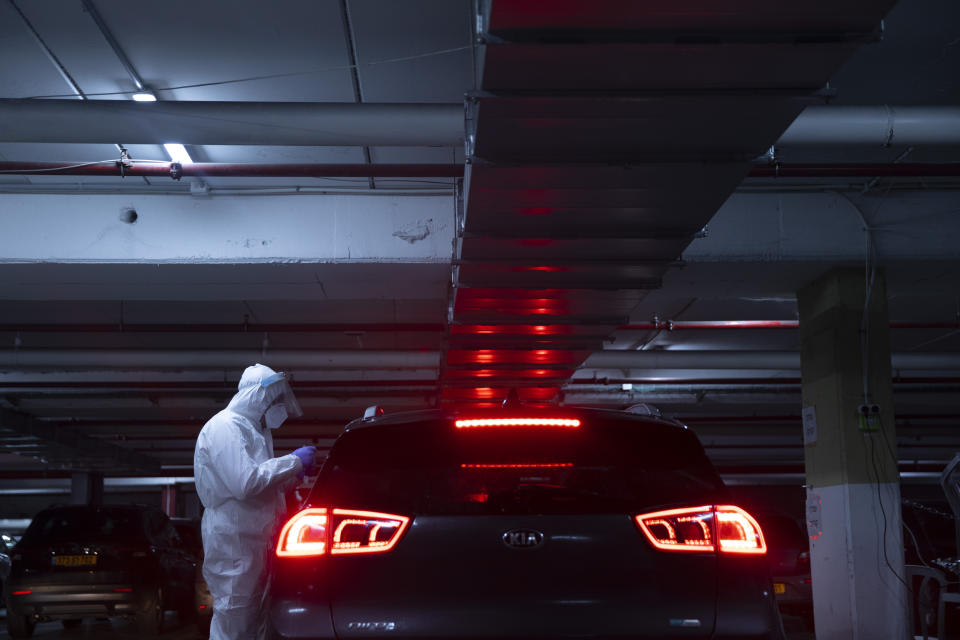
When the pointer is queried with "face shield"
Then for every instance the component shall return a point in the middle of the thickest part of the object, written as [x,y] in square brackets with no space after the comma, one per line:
[281,403]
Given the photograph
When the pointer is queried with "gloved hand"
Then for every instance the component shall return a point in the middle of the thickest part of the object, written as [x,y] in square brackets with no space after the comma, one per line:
[307,456]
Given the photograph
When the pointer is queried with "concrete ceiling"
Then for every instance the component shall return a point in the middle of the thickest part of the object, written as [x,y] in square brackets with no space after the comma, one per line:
[349,282]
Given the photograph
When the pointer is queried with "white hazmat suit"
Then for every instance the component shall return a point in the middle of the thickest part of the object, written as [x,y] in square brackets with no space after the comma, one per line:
[241,485]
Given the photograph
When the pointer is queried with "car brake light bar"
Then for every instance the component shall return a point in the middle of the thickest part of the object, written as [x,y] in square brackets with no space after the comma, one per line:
[569,423]
[25,592]
[703,529]
[530,465]
[317,532]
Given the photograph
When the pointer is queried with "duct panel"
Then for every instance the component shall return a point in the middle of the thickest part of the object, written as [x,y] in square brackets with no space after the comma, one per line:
[606,136]
[629,129]
[525,68]
[535,19]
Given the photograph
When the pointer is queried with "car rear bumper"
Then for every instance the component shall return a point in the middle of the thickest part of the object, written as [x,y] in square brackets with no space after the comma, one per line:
[54,602]
[795,591]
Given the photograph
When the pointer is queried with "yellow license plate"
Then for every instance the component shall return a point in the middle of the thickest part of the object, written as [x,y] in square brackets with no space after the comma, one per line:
[74,561]
[779,587]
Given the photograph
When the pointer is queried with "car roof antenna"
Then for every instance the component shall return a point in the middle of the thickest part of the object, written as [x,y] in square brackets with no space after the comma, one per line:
[512,401]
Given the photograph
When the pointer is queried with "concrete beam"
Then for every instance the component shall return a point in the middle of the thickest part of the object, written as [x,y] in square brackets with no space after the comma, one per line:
[67,449]
[225,229]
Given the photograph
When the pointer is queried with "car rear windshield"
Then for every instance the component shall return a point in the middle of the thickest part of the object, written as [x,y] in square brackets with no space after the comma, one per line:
[431,468]
[85,525]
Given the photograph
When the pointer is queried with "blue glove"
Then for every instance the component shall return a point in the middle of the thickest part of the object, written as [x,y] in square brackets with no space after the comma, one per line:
[307,456]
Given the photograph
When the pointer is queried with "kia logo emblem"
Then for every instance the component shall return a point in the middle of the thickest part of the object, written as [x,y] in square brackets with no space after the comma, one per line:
[523,539]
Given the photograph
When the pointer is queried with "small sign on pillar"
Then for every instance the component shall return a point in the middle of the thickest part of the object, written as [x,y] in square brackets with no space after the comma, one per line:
[809,425]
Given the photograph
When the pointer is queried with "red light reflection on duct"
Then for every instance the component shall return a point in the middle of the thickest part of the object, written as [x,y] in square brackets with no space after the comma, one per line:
[484,356]
[535,211]
[536,242]
[545,268]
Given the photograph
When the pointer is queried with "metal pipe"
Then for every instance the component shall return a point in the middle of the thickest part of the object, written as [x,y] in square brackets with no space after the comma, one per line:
[422,327]
[314,359]
[244,170]
[881,126]
[61,69]
[232,123]
[867,170]
[117,49]
[233,170]
[351,124]
[210,359]
[617,359]
[680,325]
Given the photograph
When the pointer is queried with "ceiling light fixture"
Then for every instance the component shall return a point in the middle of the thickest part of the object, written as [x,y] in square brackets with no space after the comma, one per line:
[144,96]
[177,152]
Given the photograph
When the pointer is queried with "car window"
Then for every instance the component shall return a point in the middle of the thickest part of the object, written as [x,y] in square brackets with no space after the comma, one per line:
[783,532]
[608,466]
[73,524]
[161,530]
[188,534]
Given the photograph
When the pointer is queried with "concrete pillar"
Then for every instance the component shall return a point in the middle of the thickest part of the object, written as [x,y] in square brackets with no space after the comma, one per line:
[856,549]
[86,487]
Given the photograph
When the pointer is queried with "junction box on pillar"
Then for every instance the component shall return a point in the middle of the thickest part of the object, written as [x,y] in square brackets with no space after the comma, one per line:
[856,546]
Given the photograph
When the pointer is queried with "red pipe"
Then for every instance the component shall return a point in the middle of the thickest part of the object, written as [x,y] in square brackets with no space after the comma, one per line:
[248,170]
[414,327]
[225,170]
[735,381]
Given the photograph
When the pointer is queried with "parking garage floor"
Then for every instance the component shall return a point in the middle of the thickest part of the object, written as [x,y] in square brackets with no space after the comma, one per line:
[113,629]
[119,629]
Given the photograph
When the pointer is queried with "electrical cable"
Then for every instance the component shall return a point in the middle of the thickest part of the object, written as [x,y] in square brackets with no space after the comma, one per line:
[883,512]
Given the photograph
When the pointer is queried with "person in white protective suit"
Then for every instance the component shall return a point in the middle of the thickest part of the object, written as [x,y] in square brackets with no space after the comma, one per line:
[241,485]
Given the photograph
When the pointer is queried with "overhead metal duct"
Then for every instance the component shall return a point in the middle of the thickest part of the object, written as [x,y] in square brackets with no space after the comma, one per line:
[232,123]
[879,126]
[400,124]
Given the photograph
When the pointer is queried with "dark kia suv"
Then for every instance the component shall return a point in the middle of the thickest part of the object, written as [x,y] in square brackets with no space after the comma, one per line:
[520,523]
[80,561]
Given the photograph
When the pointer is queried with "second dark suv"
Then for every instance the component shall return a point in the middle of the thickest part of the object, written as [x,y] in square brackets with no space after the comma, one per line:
[521,523]
[79,561]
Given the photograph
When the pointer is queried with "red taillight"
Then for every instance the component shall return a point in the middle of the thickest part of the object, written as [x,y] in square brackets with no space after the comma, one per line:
[315,532]
[703,529]
[738,532]
[123,590]
[567,423]
[305,534]
[23,593]
[688,529]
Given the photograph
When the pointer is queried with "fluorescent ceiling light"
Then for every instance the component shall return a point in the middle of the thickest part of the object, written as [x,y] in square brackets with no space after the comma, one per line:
[177,152]
[144,96]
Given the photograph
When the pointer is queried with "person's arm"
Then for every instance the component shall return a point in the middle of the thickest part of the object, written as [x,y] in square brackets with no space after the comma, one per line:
[242,477]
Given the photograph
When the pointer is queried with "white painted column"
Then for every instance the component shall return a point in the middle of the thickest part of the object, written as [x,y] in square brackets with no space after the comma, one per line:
[856,549]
